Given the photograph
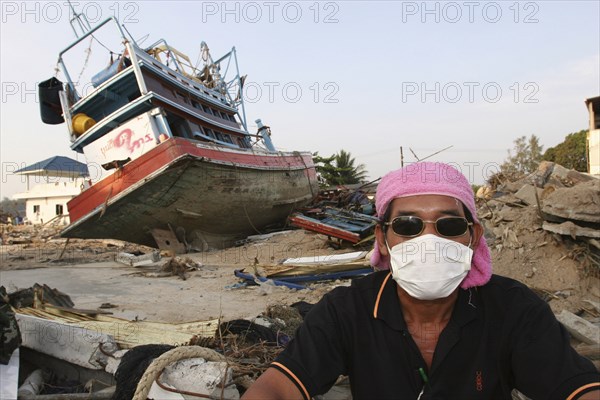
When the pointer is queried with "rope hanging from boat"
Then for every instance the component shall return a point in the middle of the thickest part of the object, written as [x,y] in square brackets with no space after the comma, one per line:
[160,363]
[56,68]
[87,59]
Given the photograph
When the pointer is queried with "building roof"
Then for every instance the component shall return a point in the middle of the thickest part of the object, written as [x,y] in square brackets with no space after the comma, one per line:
[592,99]
[57,166]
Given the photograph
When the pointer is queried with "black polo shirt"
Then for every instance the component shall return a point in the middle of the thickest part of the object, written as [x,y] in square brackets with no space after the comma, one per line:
[500,336]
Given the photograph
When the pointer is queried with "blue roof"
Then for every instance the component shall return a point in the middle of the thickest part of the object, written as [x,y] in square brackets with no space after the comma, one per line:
[58,166]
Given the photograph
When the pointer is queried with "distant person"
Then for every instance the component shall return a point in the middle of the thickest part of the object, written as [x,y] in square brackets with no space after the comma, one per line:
[433,323]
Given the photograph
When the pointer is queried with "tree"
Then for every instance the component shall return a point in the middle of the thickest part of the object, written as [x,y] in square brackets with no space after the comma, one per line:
[339,169]
[571,153]
[525,159]
[11,208]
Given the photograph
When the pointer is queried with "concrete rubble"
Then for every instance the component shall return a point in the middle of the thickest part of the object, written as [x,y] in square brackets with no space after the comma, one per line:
[566,202]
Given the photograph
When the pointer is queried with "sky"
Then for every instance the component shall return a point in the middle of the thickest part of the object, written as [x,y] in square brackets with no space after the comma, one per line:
[366,77]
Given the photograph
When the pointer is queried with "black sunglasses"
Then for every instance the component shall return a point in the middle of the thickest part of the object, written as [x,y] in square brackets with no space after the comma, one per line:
[411,226]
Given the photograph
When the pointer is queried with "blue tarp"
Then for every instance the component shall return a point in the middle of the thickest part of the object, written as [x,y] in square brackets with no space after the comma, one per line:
[292,281]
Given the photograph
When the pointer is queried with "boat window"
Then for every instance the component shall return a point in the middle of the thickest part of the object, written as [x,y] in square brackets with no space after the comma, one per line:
[209,132]
[227,138]
[224,116]
[241,143]
[196,131]
[183,97]
[180,127]
[195,104]
[231,118]
[206,109]
[219,136]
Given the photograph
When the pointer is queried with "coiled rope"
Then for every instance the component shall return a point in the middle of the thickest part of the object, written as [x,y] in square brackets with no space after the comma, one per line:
[160,363]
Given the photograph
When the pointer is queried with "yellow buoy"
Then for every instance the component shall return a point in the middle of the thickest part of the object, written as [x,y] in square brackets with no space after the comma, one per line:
[82,123]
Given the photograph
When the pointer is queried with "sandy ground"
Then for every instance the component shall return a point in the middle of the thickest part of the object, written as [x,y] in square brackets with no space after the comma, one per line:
[88,273]
[204,295]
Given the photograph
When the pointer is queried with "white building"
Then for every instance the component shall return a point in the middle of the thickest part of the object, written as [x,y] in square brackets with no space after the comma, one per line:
[50,185]
[593,137]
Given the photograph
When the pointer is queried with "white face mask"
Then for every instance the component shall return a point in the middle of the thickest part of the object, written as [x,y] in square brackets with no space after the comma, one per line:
[430,267]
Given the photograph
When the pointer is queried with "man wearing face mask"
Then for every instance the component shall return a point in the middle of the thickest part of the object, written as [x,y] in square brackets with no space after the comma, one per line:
[432,322]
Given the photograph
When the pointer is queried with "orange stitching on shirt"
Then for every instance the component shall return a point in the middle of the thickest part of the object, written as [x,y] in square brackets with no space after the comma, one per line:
[581,389]
[379,295]
[306,396]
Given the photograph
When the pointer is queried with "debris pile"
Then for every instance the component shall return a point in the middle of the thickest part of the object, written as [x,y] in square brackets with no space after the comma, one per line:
[219,354]
[543,230]
[343,213]
[180,266]
[34,246]
[29,234]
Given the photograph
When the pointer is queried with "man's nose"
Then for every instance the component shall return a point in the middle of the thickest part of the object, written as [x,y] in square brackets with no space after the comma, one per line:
[429,228]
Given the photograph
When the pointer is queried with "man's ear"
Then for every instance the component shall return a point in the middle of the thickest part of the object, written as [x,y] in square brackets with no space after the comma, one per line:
[477,233]
[380,240]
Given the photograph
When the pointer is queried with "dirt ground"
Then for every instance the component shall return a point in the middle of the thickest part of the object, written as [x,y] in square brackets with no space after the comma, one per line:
[86,270]
[88,273]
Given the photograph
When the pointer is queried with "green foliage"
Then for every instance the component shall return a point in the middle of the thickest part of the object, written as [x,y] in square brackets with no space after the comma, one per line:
[571,153]
[524,159]
[339,169]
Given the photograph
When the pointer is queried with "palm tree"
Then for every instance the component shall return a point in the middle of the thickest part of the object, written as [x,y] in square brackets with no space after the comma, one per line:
[339,169]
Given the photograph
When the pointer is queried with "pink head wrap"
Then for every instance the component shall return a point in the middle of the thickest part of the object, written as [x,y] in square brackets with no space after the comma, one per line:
[433,178]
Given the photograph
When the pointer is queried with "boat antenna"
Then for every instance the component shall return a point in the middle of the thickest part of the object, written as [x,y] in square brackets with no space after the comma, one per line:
[131,36]
[79,20]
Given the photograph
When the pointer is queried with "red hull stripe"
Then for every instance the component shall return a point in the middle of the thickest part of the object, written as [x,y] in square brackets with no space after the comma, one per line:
[162,155]
[325,229]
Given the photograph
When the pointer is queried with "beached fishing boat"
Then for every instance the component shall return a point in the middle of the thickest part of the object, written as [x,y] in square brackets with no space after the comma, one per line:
[169,141]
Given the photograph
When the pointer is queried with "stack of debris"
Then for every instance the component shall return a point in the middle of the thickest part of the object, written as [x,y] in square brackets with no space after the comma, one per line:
[344,213]
[294,272]
[567,201]
[28,234]
[543,230]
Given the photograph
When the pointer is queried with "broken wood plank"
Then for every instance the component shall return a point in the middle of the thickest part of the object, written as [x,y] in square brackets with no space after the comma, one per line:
[167,240]
[105,394]
[74,344]
[311,224]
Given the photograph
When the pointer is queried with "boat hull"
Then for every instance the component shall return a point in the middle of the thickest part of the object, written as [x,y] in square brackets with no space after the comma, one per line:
[206,194]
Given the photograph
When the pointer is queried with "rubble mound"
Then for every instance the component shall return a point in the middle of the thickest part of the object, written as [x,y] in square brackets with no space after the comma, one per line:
[541,231]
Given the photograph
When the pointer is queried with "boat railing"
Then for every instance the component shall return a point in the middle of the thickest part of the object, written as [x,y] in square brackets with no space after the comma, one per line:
[209,82]
[70,83]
